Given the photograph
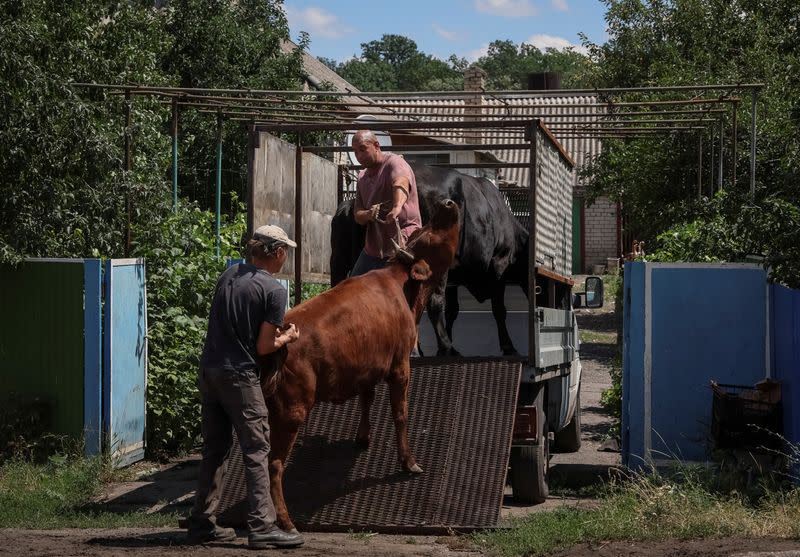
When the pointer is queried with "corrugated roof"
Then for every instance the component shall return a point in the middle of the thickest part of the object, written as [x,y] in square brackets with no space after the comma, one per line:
[552,110]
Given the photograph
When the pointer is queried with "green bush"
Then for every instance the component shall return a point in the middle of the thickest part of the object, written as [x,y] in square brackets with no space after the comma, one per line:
[611,398]
[182,271]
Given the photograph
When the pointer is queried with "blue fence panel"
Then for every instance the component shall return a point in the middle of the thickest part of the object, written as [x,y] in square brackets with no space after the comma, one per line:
[125,365]
[687,324]
[786,356]
[93,356]
[633,361]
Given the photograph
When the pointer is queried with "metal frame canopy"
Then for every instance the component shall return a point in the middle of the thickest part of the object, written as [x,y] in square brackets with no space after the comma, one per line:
[463,120]
[632,112]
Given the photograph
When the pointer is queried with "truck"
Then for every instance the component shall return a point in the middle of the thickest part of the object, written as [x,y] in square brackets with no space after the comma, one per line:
[548,413]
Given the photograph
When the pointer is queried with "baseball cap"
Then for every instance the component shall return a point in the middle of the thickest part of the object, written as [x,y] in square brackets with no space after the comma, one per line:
[270,233]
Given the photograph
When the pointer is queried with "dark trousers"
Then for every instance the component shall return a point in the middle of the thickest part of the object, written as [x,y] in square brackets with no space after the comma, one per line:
[366,263]
[233,399]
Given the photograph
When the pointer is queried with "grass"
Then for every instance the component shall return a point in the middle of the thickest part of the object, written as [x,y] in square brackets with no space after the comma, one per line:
[611,284]
[362,536]
[652,507]
[59,494]
[598,337]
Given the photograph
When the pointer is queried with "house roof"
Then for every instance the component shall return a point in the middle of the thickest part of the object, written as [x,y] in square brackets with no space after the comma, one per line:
[557,112]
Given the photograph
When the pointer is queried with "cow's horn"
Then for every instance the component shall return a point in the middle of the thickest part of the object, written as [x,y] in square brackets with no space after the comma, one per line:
[400,239]
[401,253]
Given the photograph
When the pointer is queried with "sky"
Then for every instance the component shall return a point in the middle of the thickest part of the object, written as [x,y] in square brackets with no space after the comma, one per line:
[444,27]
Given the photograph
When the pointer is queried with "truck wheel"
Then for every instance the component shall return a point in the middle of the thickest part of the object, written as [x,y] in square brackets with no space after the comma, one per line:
[568,440]
[529,466]
[529,473]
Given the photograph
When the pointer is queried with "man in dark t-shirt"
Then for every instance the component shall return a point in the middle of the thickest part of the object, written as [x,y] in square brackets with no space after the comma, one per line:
[245,328]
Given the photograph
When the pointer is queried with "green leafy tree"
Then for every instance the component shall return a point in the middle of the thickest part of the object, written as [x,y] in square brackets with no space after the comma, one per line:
[683,42]
[228,45]
[508,65]
[182,271]
[64,191]
[61,149]
[394,63]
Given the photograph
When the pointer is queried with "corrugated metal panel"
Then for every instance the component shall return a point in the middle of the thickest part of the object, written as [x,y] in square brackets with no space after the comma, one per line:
[434,109]
[41,338]
[552,110]
[556,337]
[553,206]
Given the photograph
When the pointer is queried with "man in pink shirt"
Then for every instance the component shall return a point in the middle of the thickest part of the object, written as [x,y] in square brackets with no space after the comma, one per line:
[386,194]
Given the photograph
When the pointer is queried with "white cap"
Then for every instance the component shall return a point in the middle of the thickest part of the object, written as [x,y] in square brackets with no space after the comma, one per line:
[270,233]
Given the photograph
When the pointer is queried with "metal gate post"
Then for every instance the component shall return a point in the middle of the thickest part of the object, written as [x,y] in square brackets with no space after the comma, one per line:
[218,195]
[128,166]
[93,357]
[721,151]
[753,142]
[174,155]
[298,222]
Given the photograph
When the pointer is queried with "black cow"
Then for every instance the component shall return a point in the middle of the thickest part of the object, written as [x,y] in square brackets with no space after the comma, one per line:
[493,248]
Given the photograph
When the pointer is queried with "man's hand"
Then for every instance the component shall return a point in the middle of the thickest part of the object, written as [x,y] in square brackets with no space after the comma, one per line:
[392,215]
[291,333]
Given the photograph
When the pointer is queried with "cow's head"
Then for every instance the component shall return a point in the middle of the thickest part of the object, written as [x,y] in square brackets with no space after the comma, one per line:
[431,249]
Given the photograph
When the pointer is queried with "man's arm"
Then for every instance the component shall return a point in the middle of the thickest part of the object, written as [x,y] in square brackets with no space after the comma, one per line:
[366,216]
[361,215]
[271,339]
[400,189]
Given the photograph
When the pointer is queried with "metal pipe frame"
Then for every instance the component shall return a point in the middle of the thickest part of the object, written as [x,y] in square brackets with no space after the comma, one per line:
[382,109]
[305,113]
[415,94]
[218,189]
[128,162]
[328,111]
[298,221]
[174,156]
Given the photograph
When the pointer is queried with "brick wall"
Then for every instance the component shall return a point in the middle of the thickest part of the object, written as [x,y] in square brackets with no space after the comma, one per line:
[600,233]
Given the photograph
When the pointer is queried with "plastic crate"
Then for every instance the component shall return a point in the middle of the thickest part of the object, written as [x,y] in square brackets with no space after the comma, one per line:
[743,417]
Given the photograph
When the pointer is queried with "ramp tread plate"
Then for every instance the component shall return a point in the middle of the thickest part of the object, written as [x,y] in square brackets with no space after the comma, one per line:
[461,414]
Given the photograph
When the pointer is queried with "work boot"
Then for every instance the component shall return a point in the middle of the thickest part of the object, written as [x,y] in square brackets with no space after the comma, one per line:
[218,534]
[275,538]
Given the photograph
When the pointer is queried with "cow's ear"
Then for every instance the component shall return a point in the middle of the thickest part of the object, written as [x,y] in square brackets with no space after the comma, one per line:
[420,270]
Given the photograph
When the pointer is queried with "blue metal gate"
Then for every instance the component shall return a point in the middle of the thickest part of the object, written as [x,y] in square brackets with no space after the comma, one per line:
[686,324]
[125,359]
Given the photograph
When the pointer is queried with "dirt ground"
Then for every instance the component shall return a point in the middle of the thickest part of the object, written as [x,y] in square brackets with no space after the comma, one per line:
[111,543]
[123,542]
[171,488]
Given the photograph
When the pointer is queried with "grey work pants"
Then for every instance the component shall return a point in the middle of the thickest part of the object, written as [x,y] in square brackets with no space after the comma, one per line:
[233,398]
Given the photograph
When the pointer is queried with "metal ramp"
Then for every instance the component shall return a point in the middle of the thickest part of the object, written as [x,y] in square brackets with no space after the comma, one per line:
[461,414]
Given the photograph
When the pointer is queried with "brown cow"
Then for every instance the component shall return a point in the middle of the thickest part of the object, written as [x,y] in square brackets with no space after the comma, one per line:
[355,335]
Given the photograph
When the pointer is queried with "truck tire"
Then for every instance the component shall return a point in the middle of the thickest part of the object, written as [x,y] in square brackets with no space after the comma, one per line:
[568,440]
[529,467]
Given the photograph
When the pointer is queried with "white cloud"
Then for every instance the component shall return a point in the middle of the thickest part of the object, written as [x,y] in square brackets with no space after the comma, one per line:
[560,5]
[543,42]
[473,55]
[445,34]
[317,21]
[507,8]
